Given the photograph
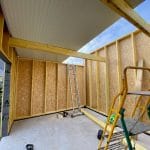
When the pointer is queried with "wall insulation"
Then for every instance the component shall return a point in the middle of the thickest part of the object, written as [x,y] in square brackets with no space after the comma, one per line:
[104,79]
[43,88]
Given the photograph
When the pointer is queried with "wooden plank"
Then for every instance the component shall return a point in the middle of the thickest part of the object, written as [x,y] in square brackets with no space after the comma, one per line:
[1,29]
[5,45]
[90,83]
[23,88]
[45,88]
[97,84]
[107,81]
[38,87]
[122,8]
[81,84]
[142,45]
[93,86]
[119,69]
[14,42]
[61,87]
[127,60]
[102,76]
[50,94]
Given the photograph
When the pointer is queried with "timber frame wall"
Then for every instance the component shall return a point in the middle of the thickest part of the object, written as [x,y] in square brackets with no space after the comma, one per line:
[43,88]
[104,79]
[11,56]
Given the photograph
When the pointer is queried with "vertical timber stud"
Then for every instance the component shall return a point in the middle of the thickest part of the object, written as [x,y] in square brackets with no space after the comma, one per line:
[45,90]
[67,87]
[134,51]
[16,94]
[107,81]
[90,82]
[97,83]
[1,29]
[119,68]
[31,109]
[56,87]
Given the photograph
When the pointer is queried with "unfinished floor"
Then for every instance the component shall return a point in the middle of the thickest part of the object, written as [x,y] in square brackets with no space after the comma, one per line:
[50,133]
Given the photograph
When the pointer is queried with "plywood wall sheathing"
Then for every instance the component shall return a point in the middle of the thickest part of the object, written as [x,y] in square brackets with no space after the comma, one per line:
[81,84]
[61,87]
[24,88]
[45,88]
[113,70]
[38,85]
[142,45]
[102,76]
[123,52]
[51,76]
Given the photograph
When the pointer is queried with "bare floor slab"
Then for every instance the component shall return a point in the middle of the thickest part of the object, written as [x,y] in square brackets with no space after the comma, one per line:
[50,133]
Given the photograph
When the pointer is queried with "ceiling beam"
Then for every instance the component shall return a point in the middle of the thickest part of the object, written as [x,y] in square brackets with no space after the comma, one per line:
[14,42]
[122,8]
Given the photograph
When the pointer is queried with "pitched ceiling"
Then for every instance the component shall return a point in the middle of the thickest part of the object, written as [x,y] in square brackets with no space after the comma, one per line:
[64,23]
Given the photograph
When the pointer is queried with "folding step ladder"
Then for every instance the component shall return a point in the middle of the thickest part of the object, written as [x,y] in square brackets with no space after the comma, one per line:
[106,141]
[74,89]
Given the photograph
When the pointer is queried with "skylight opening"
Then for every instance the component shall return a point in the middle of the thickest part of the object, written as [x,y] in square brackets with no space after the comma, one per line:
[117,30]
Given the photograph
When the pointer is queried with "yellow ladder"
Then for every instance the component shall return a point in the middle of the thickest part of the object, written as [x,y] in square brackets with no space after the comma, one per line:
[109,128]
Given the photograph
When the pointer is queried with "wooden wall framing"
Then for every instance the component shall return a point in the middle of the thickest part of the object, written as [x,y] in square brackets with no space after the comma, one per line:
[107,80]
[43,88]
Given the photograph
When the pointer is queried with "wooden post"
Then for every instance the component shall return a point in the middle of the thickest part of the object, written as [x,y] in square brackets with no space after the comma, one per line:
[31,113]
[45,90]
[119,68]
[97,83]
[107,81]
[56,87]
[90,82]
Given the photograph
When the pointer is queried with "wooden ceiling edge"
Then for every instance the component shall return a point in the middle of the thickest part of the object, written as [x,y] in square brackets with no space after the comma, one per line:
[15,42]
[122,8]
[45,60]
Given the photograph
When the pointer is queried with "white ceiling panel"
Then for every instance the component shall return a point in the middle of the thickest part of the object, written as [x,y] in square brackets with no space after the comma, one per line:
[64,23]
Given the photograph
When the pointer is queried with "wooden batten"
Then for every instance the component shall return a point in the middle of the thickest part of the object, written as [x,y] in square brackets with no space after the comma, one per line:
[107,82]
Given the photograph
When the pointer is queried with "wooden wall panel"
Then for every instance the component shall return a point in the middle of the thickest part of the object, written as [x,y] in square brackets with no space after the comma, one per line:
[94,92]
[87,83]
[24,88]
[50,95]
[119,54]
[102,83]
[38,87]
[45,88]
[142,45]
[61,87]
[127,60]
[113,69]
[81,84]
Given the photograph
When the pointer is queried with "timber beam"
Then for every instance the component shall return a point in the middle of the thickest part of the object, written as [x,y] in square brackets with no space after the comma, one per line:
[14,42]
[123,9]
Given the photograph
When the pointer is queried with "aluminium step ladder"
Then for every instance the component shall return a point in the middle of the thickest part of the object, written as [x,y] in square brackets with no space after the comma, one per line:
[106,141]
[74,89]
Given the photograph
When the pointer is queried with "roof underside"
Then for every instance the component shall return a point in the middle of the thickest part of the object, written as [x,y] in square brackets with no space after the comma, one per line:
[64,23]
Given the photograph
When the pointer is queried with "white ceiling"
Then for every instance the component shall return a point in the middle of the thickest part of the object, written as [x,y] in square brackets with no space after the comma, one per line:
[64,23]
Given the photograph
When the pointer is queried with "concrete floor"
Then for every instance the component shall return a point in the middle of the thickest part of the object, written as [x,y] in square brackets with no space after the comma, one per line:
[50,133]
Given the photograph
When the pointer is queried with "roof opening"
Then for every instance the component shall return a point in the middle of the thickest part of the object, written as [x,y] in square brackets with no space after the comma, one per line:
[115,31]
